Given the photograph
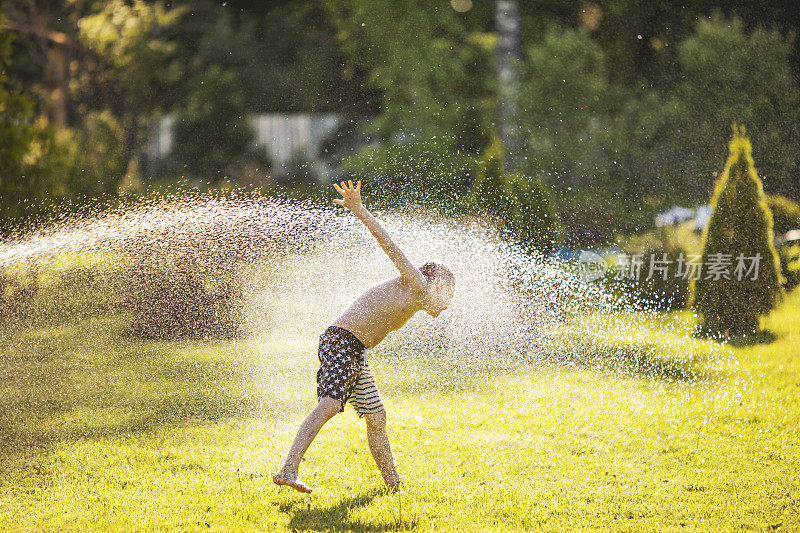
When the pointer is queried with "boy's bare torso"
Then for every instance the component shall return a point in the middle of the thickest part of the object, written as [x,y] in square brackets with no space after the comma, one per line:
[383,308]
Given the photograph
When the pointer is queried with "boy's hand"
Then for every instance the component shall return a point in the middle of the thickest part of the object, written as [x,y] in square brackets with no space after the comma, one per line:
[351,196]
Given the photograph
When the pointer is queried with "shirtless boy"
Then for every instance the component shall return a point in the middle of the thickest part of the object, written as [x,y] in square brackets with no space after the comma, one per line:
[343,374]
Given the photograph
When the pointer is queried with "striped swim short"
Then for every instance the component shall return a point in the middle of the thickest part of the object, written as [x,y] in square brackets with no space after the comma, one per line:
[344,374]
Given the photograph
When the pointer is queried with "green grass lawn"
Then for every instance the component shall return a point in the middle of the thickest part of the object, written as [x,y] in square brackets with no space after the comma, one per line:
[99,431]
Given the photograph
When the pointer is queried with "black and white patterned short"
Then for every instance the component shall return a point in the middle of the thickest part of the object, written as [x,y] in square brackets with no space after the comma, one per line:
[344,374]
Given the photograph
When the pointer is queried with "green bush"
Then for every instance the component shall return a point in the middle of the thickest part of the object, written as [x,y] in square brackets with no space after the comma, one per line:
[17,291]
[189,281]
[91,157]
[672,292]
[522,207]
[593,217]
[790,264]
[183,298]
[786,216]
[740,226]
[785,213]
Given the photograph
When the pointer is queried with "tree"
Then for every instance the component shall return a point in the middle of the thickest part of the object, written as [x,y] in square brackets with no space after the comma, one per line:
[111,59]
[522,207]
[436,86]
[26,177]
[437,94]
[739,230]
[563,104]
[129,64]
[311,74]
[660,139]
[213,135]
[727,75]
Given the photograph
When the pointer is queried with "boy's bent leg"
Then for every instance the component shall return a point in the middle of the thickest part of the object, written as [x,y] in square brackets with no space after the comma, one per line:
[324,411]
[381,450]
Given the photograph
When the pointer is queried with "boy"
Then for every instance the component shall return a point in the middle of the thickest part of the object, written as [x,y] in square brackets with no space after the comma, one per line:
[343,374]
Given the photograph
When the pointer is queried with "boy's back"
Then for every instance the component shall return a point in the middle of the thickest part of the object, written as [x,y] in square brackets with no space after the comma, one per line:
[382,308]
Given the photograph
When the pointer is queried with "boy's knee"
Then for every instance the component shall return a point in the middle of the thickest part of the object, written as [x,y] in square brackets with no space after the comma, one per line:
[376,420]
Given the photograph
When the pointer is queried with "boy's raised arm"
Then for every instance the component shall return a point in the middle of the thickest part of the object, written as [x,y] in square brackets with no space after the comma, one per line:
[351,199]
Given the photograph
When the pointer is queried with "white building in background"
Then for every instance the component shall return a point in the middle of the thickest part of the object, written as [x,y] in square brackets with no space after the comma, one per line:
[285,135]
[676,215]
[282,135]
[702,217]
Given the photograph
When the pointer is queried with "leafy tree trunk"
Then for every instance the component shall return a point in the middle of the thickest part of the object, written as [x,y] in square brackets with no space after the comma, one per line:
[508,23]
[130,146]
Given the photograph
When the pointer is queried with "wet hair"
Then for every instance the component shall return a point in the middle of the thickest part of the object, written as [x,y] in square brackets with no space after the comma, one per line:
[436,271]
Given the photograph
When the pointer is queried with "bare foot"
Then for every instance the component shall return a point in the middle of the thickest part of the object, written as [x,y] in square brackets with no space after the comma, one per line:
[396,487]
[291,480]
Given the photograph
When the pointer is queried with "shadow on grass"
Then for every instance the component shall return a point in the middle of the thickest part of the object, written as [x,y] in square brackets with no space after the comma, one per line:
[642,361]
[85,381]
[635,362]
[738,340]
[762,337]
[336,517]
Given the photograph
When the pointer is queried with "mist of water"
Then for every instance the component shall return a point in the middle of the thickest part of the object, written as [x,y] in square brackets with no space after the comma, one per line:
[301,265]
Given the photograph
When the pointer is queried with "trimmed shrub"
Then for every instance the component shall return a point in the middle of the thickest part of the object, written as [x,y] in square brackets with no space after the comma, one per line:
[741,227]
[522,207]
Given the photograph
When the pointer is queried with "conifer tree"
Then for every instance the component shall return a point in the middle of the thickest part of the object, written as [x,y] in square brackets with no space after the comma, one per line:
[739,230]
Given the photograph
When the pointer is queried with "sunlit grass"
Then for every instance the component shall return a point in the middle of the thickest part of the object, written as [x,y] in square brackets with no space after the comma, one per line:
[99,431]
